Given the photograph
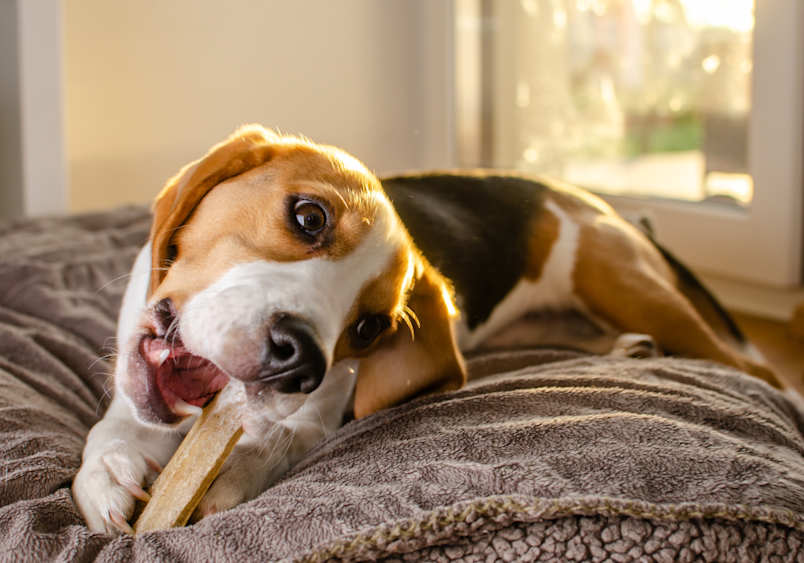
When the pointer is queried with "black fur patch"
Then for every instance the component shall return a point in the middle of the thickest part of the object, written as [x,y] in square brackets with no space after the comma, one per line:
[474,228]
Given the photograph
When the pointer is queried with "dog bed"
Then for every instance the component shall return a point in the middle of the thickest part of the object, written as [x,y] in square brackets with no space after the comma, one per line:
[546,455]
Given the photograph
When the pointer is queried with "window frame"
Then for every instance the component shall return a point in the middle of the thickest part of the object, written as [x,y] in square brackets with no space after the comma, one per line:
[759,244]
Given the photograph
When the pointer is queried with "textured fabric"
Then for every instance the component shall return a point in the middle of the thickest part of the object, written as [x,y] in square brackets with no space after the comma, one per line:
[550,456]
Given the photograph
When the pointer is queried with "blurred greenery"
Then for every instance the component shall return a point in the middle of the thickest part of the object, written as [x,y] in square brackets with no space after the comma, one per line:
[654,134]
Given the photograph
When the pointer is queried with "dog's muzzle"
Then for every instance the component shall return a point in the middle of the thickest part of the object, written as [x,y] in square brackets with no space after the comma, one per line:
[294,362]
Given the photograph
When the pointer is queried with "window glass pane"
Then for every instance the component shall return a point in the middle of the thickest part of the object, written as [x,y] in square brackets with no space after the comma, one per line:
[636,97]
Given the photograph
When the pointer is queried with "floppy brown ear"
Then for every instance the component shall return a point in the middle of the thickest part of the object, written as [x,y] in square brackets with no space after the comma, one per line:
[404,366]
[249,147]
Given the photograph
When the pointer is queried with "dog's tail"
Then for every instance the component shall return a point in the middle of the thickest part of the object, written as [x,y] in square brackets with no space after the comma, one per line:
[705,303]
[701,298]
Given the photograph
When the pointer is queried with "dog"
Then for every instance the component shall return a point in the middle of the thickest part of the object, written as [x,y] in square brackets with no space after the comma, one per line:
[288,268]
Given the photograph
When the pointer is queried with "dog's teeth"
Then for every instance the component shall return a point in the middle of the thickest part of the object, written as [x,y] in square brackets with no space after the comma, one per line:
[186,409]
[163,355]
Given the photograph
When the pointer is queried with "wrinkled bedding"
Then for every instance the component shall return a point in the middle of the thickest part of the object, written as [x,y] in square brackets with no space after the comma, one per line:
[546,455]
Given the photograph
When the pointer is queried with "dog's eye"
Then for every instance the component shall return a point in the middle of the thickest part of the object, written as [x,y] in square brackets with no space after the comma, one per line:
[172,252]
[310,216]
[370,328]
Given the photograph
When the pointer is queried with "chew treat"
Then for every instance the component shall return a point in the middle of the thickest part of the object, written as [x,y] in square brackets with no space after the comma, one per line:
[194,466]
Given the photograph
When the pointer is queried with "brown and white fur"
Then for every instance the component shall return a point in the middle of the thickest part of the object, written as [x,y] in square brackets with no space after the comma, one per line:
[239,284]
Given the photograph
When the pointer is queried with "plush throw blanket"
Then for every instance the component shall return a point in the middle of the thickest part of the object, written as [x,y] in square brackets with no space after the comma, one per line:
[544,456]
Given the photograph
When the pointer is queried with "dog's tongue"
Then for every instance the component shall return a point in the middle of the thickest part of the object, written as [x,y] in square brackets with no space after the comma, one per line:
[182,375]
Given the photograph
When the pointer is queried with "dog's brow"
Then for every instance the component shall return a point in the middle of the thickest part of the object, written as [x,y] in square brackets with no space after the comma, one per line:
[325,187]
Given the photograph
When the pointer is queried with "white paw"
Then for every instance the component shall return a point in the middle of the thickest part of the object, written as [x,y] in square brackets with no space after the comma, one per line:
[633,345]
[251,468]
[226,492]
[109,481]
[239,480]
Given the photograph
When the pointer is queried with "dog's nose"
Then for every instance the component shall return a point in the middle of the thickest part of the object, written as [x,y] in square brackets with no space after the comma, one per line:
[295,362]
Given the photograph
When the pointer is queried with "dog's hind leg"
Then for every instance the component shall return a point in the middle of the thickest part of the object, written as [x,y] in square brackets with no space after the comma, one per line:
[622,279]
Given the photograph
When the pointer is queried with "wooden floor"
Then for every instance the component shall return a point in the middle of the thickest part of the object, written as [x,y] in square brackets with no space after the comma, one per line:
[783,350]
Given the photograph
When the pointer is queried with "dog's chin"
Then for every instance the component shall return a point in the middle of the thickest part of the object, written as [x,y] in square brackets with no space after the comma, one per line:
[266,407]
[167,383]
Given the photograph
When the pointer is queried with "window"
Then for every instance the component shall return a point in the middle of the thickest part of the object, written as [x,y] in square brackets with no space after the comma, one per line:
[688,110]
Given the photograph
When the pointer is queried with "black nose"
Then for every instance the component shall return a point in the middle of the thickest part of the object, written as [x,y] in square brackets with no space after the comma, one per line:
[295,362]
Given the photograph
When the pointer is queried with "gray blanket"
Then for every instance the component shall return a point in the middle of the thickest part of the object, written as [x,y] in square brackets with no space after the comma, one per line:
[544,456]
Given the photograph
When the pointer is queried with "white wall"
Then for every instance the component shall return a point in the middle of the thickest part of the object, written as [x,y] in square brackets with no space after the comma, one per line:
[33,174]
[151,85]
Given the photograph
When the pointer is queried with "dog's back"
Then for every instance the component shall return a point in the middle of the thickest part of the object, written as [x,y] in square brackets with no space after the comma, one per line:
[475,225]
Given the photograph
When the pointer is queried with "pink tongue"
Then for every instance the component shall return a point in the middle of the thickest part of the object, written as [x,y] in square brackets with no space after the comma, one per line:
[191,385]
[180,374]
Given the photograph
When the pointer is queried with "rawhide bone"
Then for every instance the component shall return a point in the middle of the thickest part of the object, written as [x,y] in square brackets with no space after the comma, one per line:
[192,469]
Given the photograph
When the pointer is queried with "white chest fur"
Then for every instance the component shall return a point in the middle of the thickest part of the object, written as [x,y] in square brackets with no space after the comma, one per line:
[552,291]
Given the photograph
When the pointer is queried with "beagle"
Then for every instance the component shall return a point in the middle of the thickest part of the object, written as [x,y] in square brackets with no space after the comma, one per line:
[283,266]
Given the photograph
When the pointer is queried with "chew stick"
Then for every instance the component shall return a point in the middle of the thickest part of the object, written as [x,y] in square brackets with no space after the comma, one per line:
[192,469]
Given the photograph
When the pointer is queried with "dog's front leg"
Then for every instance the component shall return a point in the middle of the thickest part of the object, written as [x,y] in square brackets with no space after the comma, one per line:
[120,459]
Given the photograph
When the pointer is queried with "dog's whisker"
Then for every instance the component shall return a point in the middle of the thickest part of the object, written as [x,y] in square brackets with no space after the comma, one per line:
[104,286]
[172,330]
[102,358]
[343,199]
[174,229]
[288,440]
[277,443]
[266,441]
[411,315]
[109,376]
[105,391]
[311,401]
[128,275]
[277,439]
[405,315]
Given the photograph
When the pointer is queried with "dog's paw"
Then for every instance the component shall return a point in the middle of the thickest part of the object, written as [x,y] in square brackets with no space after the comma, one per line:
[633,345]
[233,485]
[108,484]
[226,492]
[242,478]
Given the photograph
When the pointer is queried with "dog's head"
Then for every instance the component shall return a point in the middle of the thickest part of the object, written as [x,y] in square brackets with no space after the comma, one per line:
[275,259]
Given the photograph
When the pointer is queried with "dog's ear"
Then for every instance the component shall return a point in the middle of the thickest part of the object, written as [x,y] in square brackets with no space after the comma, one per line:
[249,147]
[405,365]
